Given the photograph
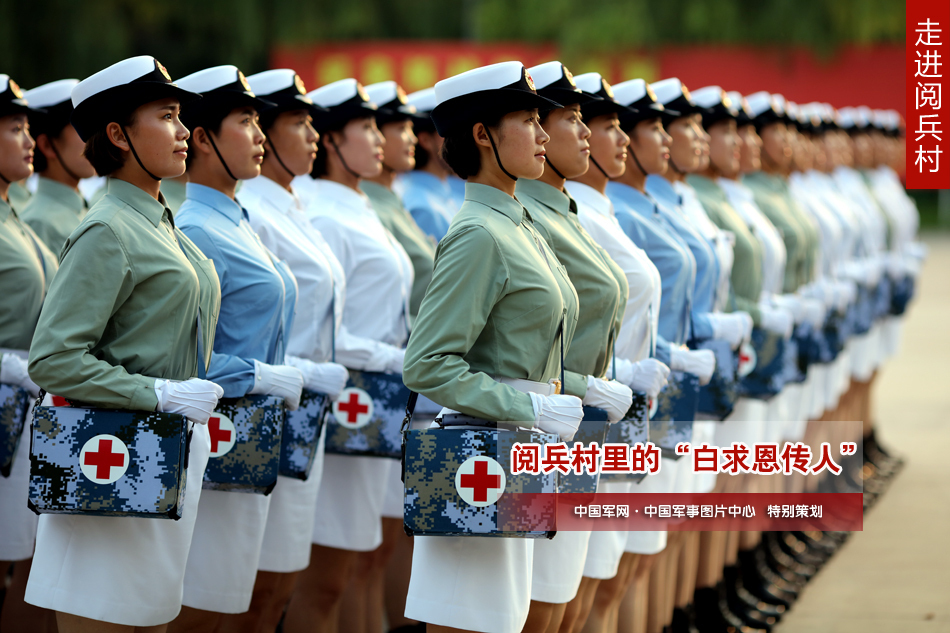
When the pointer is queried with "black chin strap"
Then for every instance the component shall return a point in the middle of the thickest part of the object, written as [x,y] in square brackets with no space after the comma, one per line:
[128,139]
[636,160]
[556,170]
[339,154]
[597,165]
[5,179]
[675,168]
[497,157]
[59,157]
[277,156]
[220,157]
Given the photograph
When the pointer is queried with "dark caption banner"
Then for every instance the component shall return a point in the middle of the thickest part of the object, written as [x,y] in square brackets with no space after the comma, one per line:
[928,137]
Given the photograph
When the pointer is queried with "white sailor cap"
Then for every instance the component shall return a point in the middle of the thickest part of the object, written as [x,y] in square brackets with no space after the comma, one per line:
[765,110]
[852,120]
[222,88]
[284,88]
[343,100]
[888,121]
[675,97]
[638,97]
[392,103]
[739,104]
[56,107]
[715,105]
[593,83]
[554,81]
[484,93]
[113,93]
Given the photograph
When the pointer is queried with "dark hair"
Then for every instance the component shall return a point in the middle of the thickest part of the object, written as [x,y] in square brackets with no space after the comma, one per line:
[461,152]
[422,156]
[105,157]
[319,169]
[211,123]
[40,164]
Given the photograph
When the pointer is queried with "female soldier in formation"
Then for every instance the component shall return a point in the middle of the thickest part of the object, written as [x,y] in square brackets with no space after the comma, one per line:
[150,301]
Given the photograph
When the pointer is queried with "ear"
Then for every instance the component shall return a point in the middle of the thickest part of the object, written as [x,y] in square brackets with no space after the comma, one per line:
[44,145]
[333,138]
[117,137]
[480,134]
[199,140]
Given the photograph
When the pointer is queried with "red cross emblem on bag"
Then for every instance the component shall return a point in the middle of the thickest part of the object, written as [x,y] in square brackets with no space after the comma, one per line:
[103,459]
[354,408]
[480,481]
[221,431]
[747,359]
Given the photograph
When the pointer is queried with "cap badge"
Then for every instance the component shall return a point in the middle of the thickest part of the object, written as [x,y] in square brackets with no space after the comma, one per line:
[298,83]
[651,94]
[606,88]
[569,77]
[162,70]
[15,89]
[243,81]
[401,95]
[361,92]
[529,80]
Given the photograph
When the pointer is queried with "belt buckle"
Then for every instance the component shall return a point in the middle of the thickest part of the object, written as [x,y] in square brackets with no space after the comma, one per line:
[557,385]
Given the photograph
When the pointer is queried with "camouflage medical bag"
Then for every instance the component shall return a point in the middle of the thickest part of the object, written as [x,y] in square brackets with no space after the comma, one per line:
[245,444]
[366,418]
[300,438]
[633,429]
[108,462]
[718,398]
[14,403]
[593,428]
[675,412]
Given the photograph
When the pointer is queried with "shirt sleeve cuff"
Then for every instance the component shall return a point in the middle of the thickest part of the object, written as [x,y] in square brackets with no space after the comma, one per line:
[575,384]
[143,397]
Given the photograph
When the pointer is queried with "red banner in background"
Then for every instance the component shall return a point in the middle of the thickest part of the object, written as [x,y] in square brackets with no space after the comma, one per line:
[871,76]
[928,63]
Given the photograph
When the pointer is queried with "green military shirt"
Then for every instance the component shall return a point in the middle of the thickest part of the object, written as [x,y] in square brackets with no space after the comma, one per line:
[419,246]
[122,310]
[746,279]
[493,309]
[798,232]
[53,212]
[600,284]
[174,192]
[26,269]
[19,196]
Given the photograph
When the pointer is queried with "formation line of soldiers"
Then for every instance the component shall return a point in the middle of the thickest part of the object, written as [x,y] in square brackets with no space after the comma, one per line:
[505,217]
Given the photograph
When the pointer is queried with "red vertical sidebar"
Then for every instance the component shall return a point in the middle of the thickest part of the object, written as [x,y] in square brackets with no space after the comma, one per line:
[928,123]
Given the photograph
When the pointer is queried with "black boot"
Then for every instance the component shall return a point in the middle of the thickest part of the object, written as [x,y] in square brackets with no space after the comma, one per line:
[780,565]
[683,620]
[713,614]
[740,598]
[800,550]
[748,614]
[762,582]
[781,557]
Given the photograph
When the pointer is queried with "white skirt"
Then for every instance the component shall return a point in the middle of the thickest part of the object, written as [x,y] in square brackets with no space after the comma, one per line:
[226,548]
[293,503]
[473,583]
[891,334]
[395,492]
[17,521]
[558,566]
[653,542]
[123,570]
[746,423]
[605,547]
[350,502]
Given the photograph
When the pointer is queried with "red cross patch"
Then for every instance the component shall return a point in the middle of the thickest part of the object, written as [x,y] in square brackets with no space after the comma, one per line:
[103,459]
[223,436]
[480,481]
[654,405]
[353,409]
[747,359]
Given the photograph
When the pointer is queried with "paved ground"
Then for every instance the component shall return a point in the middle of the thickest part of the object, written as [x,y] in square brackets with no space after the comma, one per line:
[894,577]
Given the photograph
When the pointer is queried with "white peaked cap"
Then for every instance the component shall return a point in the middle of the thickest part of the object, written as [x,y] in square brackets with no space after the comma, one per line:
[491,77]
[50,94]
[423,100]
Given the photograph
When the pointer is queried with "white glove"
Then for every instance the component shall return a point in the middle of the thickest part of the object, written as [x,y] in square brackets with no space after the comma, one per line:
[194,398]
[792,303]
[327,378]
[648,375]
[777,321]
[613,397]
[814,312]
[394,364]
[699,362]
[730,327]
[560,414]
[13,371]
[282,381]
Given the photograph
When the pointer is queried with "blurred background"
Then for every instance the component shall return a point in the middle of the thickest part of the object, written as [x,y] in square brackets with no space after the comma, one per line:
[846,52]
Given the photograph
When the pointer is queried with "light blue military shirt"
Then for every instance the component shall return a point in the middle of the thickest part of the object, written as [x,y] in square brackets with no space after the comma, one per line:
[707,266]
[258,292]
[429,200]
